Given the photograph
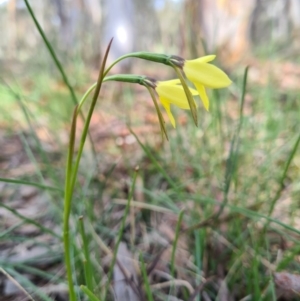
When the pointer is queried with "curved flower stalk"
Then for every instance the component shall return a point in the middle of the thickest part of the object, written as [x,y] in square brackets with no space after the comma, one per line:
[169,92]
[177,92]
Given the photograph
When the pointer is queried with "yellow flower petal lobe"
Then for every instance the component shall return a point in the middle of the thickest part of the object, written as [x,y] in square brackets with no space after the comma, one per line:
[175,81]
[206,74]
[174,94]
[203,95]
[204,59]
[167,107]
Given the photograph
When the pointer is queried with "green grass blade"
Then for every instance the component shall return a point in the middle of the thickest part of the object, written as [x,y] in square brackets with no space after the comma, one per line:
[88,270]
[155,162]
[231,164]
[59,67]
[27,115]
[146,280]
[293,252]
[30,221]
[91,296]
[34,271]
[236,211]
[28,285]
[52,52]
[89,117]
[22,182]
[120,235]
[8,231]
[177,232]
[284,175]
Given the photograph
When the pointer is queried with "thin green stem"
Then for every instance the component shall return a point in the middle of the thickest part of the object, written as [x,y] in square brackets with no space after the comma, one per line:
[137,79]
[153,57]
[83,137]
[123,57]
[67,209]
[87,261]
[52,52]
[85,96]
[71,175]
[96,86]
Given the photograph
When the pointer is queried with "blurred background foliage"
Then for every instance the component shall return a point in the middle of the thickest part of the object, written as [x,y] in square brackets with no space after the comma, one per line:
[253,32]
[80,29]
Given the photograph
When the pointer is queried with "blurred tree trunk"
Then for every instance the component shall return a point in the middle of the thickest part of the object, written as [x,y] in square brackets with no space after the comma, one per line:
[225,27]
[276,23]
[232,28]
[11,8]
[132,23]
[192,39]
[79,28]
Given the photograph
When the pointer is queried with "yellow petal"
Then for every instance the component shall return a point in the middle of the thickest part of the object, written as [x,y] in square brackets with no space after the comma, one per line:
[204,59]
[206,74]
[167,107]
[172,82]
[203,95]
[174,94]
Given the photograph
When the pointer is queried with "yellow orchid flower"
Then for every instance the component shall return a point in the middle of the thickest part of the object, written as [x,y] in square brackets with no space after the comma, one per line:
[172,92]
[202,75]
[198,71]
